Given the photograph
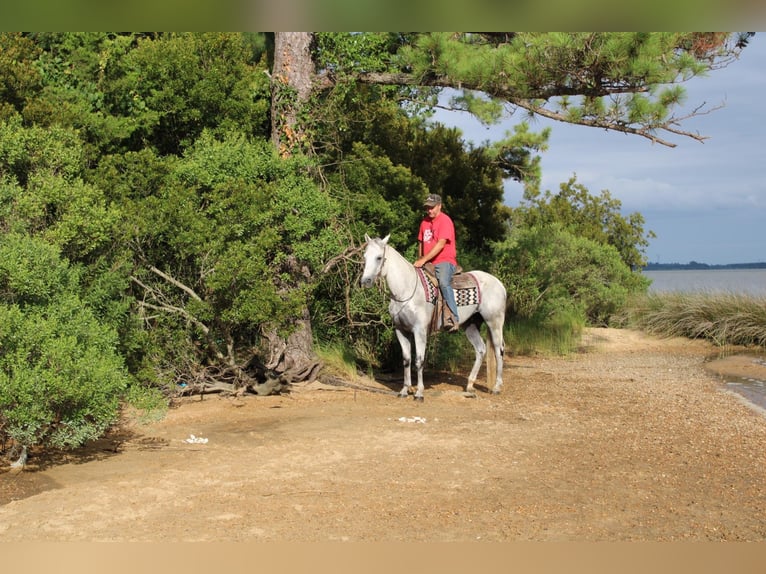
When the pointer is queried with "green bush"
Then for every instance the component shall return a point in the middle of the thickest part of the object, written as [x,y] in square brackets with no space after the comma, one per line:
[31,271]
[61,379]
[548,271]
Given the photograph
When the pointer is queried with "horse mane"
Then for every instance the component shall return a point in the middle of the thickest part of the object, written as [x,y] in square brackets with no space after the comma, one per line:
[388,246]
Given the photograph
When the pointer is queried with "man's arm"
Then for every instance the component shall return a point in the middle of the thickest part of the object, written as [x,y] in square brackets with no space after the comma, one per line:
[431,254]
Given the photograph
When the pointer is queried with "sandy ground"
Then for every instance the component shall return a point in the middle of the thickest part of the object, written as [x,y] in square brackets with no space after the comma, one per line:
[631,439]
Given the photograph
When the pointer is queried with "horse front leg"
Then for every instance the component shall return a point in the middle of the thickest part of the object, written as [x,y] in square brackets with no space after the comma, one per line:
[404,342]
[421,338]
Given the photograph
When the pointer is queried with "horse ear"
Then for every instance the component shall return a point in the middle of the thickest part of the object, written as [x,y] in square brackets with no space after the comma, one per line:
[366,238]
[385,239]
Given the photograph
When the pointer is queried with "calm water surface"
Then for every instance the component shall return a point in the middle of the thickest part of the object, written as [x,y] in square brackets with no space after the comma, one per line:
[740,281]
[748,281]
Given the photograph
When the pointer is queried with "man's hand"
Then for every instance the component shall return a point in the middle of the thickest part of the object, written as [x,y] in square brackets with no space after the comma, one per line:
[431,254]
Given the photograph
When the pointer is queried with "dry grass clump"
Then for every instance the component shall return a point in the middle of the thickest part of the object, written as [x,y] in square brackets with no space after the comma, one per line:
[723,318]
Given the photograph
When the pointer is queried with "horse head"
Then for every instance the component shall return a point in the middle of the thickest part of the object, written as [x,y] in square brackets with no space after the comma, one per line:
[374,258]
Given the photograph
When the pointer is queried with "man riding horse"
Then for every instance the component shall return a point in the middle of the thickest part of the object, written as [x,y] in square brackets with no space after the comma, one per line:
[436,244]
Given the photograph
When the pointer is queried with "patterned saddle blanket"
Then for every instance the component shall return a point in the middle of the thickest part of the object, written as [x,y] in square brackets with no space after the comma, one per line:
[465,285]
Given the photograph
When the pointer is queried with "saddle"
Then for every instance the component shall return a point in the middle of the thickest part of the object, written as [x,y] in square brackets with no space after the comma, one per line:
[466,289]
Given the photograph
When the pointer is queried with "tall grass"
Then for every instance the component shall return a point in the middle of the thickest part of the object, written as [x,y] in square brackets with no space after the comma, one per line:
[338,360]
[723,318]
[557,335]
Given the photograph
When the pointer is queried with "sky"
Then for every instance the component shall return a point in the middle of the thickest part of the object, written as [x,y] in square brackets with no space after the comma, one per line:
[706,202]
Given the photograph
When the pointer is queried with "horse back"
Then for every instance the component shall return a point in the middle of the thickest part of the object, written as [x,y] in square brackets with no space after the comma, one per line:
[493,292]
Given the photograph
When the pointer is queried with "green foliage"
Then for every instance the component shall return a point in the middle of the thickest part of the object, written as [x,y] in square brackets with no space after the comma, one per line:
[531,61]
[230,242]
[514,154]
[381,197]
[34,150]
[61,379]
[139,89]
[18,80]
[73,69]
[177,85]
[43,194]
[348,53]
[585,215]
[61,375]
[267,201]
[31,271]
[548,271]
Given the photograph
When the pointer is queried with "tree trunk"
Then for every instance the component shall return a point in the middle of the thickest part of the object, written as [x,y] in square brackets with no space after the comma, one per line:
[293,358]
[291,84]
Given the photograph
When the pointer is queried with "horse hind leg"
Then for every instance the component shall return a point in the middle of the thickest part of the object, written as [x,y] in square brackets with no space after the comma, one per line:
[495,356]
[492,368]
[474,336]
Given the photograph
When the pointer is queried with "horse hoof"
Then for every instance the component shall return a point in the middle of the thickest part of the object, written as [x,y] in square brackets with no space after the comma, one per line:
[419,399]
[494,392]
[400,396]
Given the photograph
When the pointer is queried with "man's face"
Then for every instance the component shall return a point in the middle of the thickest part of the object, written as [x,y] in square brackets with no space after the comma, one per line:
[433,210]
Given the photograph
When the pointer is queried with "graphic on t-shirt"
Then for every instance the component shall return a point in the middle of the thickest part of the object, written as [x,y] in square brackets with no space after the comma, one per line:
[428,235]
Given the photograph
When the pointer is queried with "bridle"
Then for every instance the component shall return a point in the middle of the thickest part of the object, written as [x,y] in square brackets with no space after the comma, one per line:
[380,271]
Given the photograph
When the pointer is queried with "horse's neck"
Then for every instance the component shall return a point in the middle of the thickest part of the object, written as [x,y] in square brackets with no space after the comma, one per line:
[401,275]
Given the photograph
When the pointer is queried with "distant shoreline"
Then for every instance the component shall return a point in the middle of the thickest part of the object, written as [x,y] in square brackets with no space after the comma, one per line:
[693,265]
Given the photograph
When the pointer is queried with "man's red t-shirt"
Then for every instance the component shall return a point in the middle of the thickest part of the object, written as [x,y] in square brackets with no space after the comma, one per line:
[432,230]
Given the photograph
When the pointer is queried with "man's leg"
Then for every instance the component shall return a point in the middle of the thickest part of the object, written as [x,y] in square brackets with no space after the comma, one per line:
[444,273]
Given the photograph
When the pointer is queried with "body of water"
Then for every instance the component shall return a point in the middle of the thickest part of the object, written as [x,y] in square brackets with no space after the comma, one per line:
[749,281]
[741,281]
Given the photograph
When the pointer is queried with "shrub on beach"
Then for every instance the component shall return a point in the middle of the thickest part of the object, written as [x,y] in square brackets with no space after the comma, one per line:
[61,379]
[723,318]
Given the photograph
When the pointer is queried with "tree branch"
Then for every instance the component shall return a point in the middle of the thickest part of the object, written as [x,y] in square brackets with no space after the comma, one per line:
[179,311]
[175,282]
[646,132]
[345,256]
[508,94]
[500,91]
[166,307]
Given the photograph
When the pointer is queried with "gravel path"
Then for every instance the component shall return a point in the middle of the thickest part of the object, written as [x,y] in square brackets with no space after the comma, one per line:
[631,439]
